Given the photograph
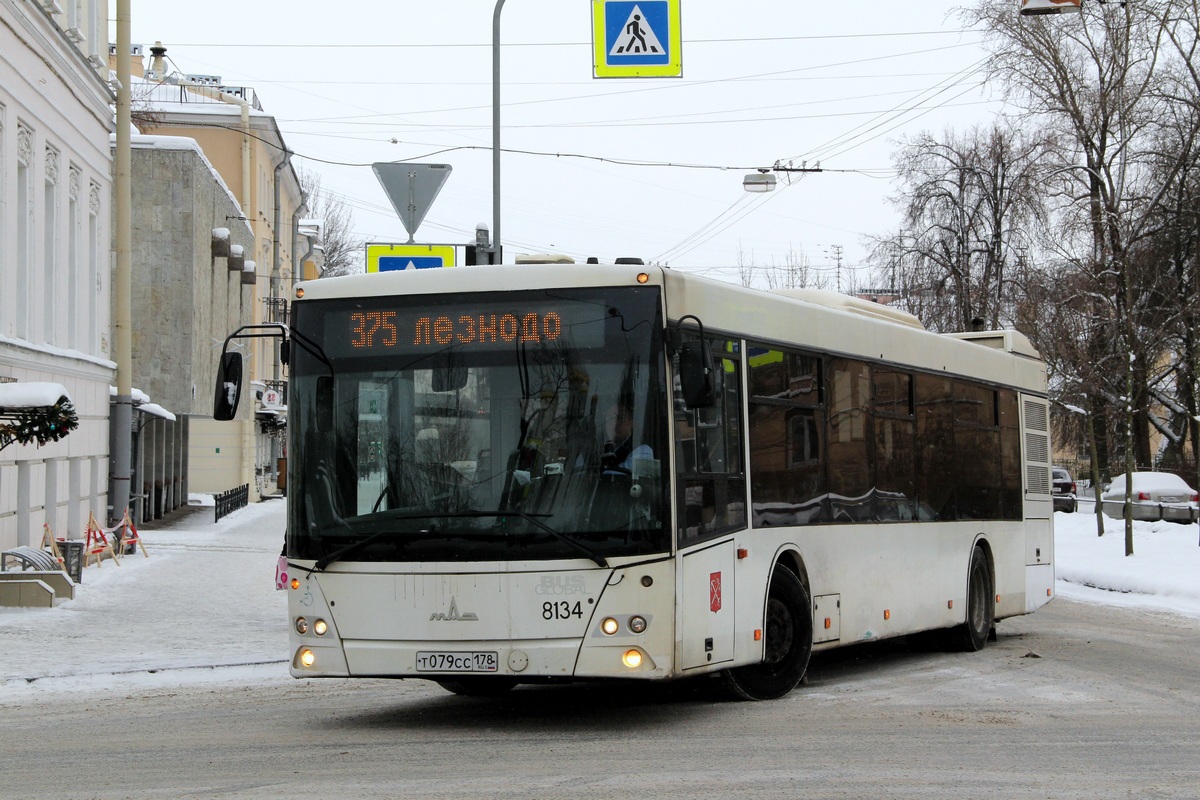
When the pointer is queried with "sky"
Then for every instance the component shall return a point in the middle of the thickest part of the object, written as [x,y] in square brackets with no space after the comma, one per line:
[763,83]
[202,607]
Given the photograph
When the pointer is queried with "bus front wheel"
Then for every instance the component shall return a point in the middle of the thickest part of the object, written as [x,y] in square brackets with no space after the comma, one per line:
[787,643]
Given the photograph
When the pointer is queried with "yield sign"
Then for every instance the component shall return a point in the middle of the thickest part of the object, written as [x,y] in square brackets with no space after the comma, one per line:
[412,188]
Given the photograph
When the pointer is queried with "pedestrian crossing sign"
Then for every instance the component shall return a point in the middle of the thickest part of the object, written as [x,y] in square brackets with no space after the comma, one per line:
[636,39]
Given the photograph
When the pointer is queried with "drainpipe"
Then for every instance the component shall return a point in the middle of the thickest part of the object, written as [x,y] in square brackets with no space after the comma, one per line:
[121,409]
[297,266]
[276,258]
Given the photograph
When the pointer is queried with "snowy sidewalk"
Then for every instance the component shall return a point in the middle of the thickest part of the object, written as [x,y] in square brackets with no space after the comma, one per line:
[205,597]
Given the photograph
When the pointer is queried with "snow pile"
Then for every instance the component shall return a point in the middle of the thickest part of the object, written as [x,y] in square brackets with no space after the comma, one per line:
[1164,571]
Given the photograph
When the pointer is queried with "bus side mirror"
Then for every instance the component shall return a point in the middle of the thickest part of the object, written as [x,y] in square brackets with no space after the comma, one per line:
[229,387]
[696,378]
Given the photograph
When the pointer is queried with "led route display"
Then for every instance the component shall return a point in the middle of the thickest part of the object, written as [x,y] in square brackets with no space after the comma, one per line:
[387,330]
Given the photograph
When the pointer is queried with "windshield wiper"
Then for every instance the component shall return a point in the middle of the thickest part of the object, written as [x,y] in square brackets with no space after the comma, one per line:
[342,552]
[562,537]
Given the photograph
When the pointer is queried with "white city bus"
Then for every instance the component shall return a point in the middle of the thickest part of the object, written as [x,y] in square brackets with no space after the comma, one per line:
[520,474]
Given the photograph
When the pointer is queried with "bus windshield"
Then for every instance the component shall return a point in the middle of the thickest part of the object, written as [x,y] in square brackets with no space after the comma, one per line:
[479,427]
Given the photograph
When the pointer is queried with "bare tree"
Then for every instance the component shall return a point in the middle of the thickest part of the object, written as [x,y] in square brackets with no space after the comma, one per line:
[1101,81]
[796,271]
[344,253]
[971,204]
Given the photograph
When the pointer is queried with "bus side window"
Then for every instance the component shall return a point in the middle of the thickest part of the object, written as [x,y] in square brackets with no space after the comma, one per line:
[787,430]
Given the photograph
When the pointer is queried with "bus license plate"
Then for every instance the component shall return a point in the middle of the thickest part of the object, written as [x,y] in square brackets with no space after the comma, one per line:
[436,661]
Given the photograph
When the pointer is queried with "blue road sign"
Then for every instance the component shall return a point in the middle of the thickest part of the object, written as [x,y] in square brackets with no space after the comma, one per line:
[398,263]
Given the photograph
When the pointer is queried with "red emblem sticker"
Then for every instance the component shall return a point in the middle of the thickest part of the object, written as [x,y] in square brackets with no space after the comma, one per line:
[714,592]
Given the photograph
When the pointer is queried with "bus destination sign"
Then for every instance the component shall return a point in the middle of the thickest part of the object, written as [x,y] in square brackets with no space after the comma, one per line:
[384,330]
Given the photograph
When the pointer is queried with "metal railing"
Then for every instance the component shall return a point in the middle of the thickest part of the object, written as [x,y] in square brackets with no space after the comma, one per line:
[231,500]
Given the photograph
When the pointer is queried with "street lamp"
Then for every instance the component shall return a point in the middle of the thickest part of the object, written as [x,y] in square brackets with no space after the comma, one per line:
[1037,7]
[496,252]
[761,181]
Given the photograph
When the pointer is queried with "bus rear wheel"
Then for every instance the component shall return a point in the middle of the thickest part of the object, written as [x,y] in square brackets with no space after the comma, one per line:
[478,686]
[787,643]
[972,635]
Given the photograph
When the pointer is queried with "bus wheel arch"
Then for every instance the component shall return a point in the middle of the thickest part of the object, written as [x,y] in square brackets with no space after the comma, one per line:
[787,638]
[980,611]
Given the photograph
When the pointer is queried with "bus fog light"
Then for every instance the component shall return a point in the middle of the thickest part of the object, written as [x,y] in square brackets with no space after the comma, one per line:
[609,626]
[637,624]
[301,625]
[632,658]
[307,657]
[319,627]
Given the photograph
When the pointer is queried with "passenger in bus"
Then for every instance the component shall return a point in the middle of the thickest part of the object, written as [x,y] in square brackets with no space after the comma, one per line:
[619,452]
[613,507]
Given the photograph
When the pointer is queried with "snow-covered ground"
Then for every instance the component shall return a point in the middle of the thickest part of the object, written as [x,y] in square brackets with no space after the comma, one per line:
[203,606]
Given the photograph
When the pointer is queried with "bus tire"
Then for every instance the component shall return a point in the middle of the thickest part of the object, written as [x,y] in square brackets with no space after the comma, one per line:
[476,686]
[787,645]
[972,635]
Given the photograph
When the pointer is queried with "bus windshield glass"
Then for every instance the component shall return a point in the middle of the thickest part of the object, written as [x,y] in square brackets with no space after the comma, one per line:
[479,427]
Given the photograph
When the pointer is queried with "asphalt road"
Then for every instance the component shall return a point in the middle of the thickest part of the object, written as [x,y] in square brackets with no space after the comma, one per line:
[1075,701]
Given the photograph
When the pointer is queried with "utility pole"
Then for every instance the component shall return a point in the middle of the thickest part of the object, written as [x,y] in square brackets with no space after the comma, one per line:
[120,459]
[836,250]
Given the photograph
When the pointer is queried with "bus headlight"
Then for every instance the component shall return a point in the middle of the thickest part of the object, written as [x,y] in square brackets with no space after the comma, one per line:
[307,657]
[301,625]
[637,624]
[609,626]
[632,658]
[319,627]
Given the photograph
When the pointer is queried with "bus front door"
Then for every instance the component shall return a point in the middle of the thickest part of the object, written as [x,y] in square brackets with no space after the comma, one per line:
[707,583]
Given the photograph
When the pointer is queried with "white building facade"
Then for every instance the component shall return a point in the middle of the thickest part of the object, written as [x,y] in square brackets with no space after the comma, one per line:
[55,236]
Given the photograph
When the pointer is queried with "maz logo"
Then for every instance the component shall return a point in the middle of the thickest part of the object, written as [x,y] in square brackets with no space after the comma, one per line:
[453,615]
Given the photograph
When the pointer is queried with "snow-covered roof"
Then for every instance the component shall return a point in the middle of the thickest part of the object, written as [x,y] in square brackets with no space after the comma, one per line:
[31,394]
[141,402]
[137,394]
[63,352]
[192,98]
[155,410]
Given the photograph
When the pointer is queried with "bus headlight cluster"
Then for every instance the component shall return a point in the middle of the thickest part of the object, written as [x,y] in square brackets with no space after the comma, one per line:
[319,627]
[610,626]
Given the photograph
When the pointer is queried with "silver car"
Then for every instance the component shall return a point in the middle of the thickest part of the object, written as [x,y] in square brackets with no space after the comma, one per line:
[1156,495]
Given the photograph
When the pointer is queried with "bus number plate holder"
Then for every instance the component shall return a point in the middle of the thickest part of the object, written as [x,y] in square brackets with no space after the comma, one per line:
[444,661]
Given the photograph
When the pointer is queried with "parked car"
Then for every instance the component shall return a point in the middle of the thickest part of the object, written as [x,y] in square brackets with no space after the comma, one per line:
[1156,495]
[1064,490]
